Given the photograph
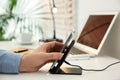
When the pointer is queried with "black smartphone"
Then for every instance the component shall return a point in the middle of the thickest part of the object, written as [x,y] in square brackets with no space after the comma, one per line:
[55,68]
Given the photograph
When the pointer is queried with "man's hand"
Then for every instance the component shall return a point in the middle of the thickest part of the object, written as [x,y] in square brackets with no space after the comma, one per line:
[39,57]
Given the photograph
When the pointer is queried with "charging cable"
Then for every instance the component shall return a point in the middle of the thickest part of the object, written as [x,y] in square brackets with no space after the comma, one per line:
[92,69]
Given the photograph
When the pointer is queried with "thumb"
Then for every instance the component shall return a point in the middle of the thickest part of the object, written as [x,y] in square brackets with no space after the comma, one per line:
[54,56]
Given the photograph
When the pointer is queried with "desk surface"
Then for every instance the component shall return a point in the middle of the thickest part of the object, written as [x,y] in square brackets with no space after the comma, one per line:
[99,62]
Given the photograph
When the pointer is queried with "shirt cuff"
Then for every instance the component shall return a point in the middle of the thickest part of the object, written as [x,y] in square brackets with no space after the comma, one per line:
[9,62]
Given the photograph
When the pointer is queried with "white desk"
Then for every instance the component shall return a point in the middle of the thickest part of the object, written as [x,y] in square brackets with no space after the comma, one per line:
[7,45]
[112,73]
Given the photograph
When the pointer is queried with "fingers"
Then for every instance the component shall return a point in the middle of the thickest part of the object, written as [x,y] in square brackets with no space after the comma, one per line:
[54,56]
[55,46]
[54,43]
[58,46]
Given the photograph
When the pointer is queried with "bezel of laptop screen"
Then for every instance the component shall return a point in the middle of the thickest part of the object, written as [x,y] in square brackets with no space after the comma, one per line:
[92,50]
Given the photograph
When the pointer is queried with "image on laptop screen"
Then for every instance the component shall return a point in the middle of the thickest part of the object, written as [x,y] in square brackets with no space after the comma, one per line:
[95,32]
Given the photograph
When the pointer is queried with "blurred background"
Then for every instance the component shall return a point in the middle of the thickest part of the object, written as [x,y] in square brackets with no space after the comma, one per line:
[34,16]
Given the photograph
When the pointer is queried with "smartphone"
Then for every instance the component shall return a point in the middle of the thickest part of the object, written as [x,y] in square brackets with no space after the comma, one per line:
[55,68]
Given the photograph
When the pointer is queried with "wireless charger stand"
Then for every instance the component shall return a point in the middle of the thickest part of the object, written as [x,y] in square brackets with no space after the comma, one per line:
[66,70]
[70,71]
[56,66]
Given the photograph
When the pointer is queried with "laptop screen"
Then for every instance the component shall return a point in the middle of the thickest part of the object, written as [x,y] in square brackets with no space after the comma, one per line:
[94,30]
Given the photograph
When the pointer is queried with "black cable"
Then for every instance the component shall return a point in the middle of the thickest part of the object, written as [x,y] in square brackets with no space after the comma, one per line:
[72,64]
[92,69]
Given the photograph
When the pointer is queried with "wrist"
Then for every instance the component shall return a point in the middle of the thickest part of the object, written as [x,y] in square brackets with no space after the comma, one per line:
[24,65]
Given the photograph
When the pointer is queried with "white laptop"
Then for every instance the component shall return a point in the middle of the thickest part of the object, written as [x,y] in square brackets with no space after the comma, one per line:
[94,33]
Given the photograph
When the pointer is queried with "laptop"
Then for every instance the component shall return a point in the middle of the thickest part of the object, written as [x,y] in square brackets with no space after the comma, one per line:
[94,33]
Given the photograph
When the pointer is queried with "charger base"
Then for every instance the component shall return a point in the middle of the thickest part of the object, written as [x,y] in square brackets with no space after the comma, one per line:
[69,71]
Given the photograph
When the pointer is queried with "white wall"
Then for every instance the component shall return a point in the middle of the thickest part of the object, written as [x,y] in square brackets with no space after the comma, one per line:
[87,6]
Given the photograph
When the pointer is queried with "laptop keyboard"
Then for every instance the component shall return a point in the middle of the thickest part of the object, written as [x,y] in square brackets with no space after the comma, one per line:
[76,51]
